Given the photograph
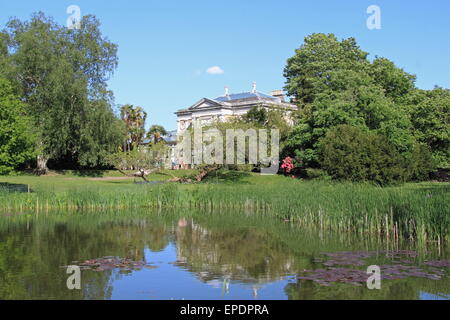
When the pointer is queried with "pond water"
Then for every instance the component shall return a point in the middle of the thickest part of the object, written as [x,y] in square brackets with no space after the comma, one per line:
[205,255]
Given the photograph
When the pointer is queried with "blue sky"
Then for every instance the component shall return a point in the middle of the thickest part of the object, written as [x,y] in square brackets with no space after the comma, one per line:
[165,47]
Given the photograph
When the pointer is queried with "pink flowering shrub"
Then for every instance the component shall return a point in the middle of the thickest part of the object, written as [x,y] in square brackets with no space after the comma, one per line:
[287,165]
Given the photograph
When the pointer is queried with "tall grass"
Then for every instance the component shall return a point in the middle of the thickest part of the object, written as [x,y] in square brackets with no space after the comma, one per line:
[417,212]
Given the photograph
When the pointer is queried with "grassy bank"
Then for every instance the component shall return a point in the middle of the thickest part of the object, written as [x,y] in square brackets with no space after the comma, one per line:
[411,211]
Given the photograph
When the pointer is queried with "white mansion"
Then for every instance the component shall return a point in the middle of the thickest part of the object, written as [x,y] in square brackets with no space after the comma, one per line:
[231,105]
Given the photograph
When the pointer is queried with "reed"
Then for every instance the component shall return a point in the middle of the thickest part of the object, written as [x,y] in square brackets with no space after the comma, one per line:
[413,211]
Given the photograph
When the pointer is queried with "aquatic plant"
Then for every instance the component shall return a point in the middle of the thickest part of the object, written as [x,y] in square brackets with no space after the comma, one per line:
[413,212]
[397,270]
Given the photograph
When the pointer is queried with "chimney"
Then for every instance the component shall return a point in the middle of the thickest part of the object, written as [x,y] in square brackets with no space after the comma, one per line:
[254,87]
[278,94]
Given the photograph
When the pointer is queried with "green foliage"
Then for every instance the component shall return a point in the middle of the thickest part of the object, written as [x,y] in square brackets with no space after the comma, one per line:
[144,158]
[362,106]
[134,119]
[61,75]
[354,154]
[324,64]
[262,118]
[395,82]
[257,118]
[101,137]
[156,132]
[277,119]
[222,127]
[334,84]
[419,163]
[319,174]
[16,139]
[419,209]
[320,63]
[256,115]
[430,117]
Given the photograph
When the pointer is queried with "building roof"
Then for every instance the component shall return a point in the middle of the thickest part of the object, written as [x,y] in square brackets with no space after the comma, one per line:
[246,95]
[171,136]
[238,100]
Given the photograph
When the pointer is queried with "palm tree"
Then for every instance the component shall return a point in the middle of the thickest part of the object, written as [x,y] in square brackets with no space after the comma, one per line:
[134,118]
[156,132]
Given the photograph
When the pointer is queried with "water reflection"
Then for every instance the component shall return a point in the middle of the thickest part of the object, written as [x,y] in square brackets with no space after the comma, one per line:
[199,256]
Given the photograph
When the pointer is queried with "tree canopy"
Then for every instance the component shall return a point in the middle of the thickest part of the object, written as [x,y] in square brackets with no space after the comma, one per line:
[334,83]
[61,76]
[156,132]
[134,119]
[430,117]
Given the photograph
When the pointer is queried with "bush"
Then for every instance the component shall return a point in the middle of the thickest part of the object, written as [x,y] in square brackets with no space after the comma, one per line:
[242,167]
[350,153]
[420,163]
[319,174]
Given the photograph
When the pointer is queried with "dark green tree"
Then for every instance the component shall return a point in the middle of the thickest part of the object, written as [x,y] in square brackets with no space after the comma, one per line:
[430,116]
[256,115]
[350,153]
[334,83]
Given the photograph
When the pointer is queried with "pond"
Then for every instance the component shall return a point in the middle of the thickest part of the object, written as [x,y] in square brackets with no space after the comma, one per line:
[142,254]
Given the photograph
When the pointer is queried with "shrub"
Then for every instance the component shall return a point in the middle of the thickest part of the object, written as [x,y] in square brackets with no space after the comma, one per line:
[247,167]
[352,154]
[319,174]
[420,163]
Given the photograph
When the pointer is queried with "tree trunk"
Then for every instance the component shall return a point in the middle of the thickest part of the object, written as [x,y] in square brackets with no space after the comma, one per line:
[204,172]
[41,165]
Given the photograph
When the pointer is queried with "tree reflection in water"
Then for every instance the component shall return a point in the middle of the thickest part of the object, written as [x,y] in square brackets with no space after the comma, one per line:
[219,250]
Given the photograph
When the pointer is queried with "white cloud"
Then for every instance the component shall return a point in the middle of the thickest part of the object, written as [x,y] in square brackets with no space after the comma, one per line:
[215,70]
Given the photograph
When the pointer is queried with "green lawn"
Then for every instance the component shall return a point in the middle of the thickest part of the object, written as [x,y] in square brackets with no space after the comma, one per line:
[415,210]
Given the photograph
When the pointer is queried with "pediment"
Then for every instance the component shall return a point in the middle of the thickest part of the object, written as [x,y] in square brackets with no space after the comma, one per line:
[206,103]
